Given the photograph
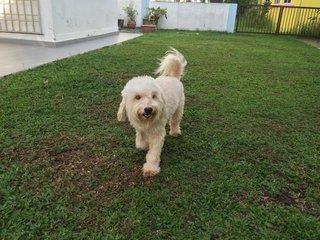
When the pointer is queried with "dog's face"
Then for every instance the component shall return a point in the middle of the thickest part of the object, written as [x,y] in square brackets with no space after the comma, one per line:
[142,101]
[145,105]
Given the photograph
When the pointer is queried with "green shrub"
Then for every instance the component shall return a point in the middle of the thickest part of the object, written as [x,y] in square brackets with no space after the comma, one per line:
[312,27]
[255,18]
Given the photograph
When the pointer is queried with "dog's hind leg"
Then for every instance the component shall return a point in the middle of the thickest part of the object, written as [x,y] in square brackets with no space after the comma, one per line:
[175,121]
[141,142]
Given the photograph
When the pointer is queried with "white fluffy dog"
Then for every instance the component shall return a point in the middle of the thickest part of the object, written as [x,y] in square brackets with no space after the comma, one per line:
[149,103]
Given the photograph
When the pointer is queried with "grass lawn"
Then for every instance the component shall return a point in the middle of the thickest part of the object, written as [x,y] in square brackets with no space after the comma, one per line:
[246,167]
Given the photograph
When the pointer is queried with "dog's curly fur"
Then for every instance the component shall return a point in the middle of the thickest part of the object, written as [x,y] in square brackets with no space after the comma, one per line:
[149,103]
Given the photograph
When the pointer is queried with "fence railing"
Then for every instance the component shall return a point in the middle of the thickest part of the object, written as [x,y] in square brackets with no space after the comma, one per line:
[20,16]
[286,20]
[192,1]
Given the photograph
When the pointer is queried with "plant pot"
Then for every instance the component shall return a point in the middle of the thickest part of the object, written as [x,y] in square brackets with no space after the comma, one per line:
[148,28]
[147,21]
[131,24]
[120,23]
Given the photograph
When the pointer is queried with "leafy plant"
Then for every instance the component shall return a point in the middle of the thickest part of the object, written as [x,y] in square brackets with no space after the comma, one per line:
[255,17]
[312,26]
[131,11]
[156,13]
[266,6]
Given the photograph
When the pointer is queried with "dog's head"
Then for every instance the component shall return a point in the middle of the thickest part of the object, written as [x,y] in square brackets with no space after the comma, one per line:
[142,101]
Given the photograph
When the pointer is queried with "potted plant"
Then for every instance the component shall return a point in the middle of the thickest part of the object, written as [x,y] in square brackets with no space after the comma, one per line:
[150,22]
[132,14]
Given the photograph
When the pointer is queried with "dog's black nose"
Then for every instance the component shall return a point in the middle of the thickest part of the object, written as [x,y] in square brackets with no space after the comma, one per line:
[148,110]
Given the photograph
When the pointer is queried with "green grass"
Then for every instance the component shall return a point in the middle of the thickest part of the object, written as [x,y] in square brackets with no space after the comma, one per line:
[246,167]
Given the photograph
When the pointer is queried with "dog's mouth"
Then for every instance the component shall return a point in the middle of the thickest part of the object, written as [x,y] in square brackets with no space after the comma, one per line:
[147,115]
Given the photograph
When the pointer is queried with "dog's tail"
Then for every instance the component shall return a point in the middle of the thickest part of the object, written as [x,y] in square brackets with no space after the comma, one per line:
[172,64]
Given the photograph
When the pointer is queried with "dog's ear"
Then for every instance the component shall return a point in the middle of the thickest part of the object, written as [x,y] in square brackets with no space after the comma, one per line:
[162,98]
[122,116]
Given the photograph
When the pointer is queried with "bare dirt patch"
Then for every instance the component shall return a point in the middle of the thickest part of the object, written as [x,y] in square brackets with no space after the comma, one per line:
[68,162]
[290,198]
[271,128]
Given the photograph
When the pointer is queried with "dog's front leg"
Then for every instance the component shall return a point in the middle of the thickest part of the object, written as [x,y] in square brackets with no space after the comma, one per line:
[141,142]
[151,167]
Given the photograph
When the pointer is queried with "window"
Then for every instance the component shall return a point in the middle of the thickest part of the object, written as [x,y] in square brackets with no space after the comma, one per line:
[287,1]
[21,16]
[276,1]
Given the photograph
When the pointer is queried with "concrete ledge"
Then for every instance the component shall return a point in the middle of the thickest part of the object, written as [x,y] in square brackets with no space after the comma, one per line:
[18,57]
[54,44]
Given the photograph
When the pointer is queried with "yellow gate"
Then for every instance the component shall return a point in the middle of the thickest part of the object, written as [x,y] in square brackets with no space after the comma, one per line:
[304,21]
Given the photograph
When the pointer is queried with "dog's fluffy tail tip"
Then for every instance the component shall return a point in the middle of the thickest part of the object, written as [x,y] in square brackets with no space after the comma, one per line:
[172,64]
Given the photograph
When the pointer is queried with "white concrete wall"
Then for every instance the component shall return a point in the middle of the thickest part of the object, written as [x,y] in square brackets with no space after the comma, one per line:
[198,16]
[63,20]
[73,19]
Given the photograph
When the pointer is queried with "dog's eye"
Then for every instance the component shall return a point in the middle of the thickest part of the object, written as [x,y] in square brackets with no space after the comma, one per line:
[154,96]
[138,97]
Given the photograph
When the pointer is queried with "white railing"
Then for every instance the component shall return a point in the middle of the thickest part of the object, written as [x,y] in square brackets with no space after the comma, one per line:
[20,16]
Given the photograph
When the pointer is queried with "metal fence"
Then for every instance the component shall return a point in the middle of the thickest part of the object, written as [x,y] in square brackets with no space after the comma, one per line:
[193,1]
[288,20]
[20,16]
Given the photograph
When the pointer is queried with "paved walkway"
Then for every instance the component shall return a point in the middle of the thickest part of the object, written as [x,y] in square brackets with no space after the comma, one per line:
[312,42]
[18,57]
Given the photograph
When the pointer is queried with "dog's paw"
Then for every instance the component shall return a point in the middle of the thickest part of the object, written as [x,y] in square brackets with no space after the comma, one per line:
[175,133]
[149,170]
